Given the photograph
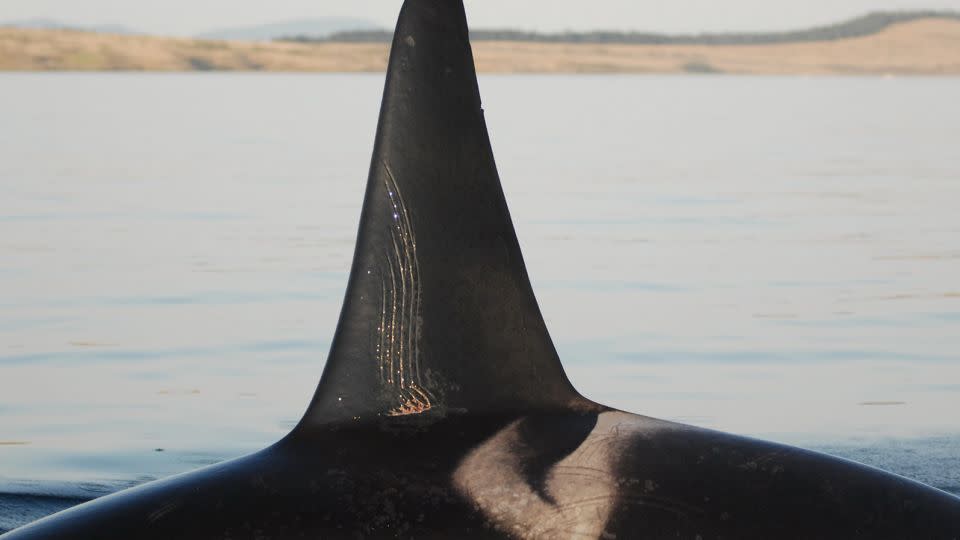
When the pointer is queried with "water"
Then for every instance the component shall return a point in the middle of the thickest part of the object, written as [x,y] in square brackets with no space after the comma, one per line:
[776,257]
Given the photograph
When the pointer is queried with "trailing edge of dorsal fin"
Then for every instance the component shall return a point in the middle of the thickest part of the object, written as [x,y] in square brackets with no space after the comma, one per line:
[439,314]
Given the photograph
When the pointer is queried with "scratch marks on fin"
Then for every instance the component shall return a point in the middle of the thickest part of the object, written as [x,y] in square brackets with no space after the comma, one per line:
[398,342]
[162,511]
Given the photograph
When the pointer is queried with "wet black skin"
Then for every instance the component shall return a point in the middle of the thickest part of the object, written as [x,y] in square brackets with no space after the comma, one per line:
[398,480]
[444,411]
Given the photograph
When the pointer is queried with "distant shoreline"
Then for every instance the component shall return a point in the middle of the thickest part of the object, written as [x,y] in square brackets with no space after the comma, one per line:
[918,46]
[866,25]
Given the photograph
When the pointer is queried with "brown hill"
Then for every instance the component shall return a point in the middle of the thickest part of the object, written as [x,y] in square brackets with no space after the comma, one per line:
[927,46]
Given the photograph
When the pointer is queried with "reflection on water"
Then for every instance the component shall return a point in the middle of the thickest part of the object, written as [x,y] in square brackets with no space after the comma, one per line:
[773,257]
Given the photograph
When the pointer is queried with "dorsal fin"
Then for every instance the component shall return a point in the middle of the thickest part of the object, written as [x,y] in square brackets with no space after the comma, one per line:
[439,314]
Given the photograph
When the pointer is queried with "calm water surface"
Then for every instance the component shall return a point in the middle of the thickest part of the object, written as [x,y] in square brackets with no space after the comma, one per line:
[776,257]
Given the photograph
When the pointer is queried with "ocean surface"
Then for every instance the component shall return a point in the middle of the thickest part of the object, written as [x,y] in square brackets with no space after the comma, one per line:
[776,257]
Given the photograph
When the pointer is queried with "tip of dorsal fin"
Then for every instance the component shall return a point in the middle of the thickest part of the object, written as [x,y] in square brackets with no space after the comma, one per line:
[439,314]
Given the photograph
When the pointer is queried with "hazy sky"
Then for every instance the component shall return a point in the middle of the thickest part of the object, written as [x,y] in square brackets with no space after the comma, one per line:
[193,16]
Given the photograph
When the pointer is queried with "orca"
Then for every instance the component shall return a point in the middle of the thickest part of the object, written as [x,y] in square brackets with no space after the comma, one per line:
[444,411]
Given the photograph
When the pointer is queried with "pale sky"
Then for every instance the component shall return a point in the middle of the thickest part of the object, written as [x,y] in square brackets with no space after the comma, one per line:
[195,16]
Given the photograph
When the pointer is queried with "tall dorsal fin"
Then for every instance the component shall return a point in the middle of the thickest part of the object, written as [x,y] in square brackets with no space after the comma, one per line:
[439,314]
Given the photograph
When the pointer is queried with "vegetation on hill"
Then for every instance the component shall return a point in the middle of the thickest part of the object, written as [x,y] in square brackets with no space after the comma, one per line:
[924,46]
[859,27]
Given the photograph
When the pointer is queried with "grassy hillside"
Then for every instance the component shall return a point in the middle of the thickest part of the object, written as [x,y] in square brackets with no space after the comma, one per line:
[920,46]
[859,27]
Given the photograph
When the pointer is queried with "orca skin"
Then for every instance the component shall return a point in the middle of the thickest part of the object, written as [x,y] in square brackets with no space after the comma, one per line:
[444,411]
